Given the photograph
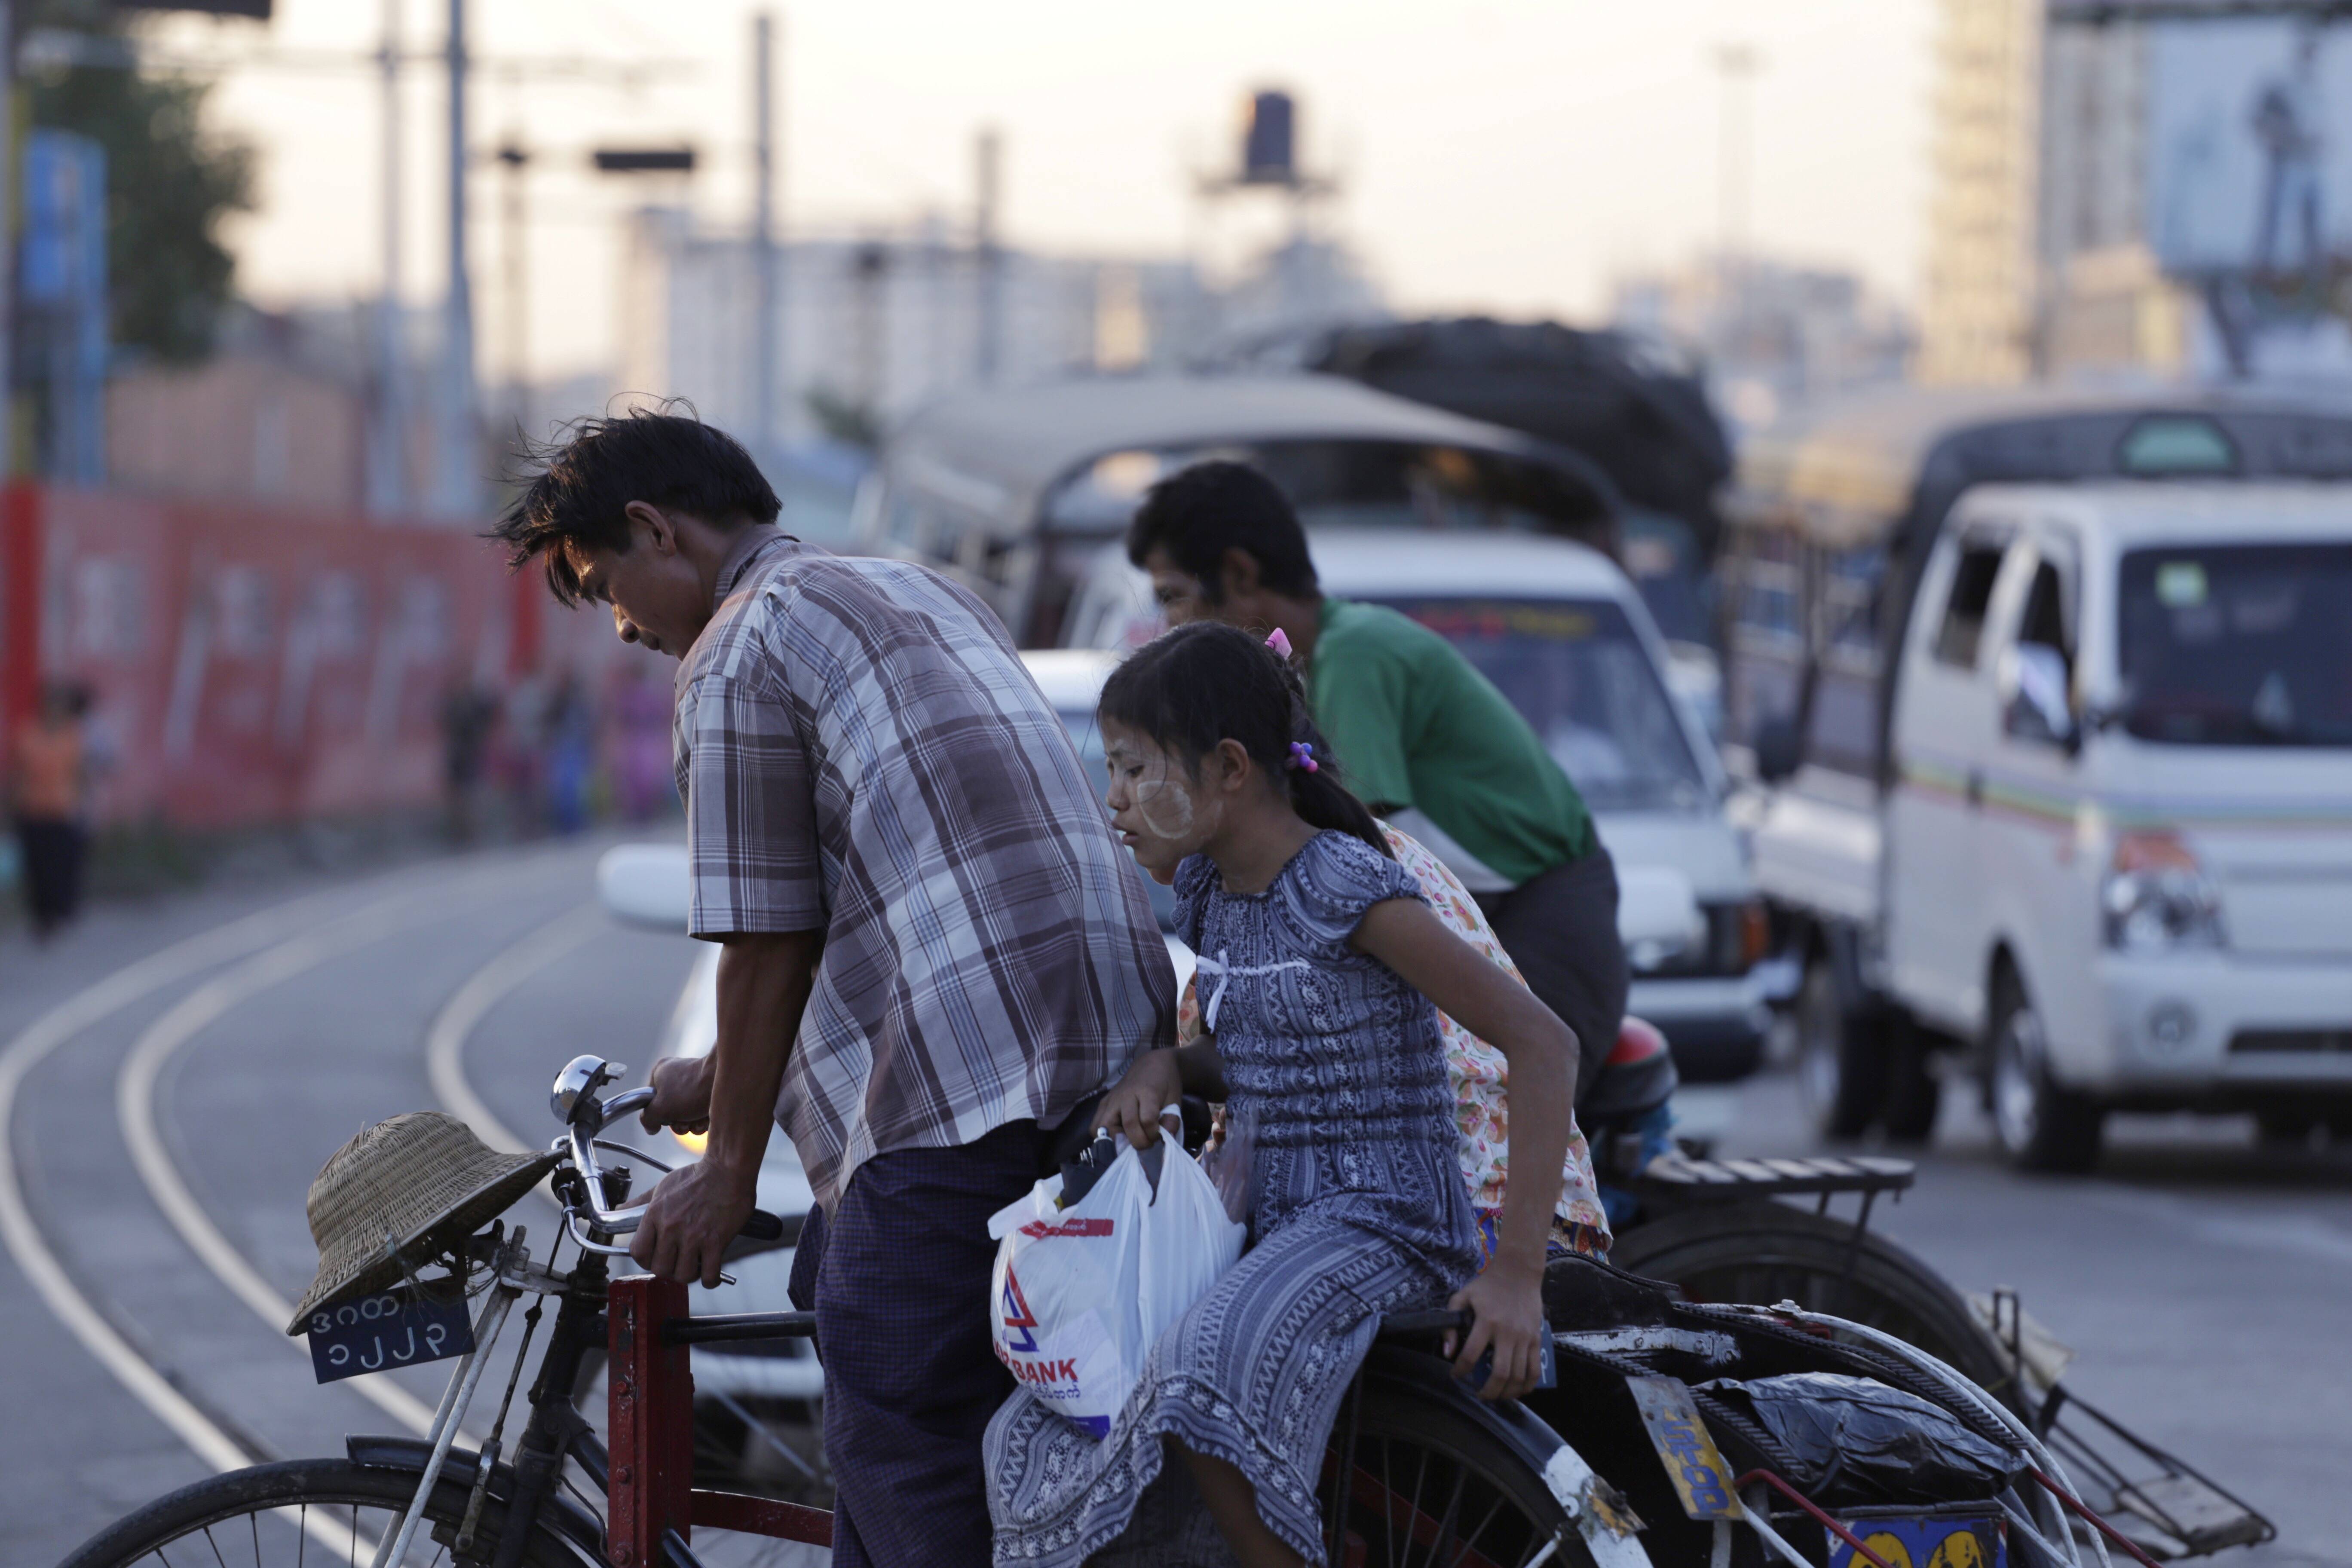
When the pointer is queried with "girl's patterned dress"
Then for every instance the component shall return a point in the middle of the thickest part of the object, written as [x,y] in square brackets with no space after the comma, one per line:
[1357,1209]
[1480,1076]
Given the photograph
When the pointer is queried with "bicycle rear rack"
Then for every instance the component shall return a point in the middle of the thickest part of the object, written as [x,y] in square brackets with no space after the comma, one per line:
[653,1502]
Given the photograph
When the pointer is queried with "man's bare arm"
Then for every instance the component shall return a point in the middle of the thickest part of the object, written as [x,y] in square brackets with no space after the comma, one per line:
[764,980]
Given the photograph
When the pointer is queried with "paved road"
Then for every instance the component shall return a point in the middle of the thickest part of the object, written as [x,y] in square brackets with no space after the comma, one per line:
[212,1050]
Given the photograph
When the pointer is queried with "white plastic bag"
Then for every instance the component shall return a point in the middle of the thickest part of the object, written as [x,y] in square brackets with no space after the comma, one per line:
[1080,1295]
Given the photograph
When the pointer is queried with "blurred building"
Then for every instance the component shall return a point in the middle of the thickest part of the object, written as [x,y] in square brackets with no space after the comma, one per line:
[1978,316]
[2139,195]
[281,412]
[1767,336]
[872,325]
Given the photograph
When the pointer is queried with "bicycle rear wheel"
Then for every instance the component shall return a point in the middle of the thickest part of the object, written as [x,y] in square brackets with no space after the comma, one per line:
[304,1512]
[1764,1252]
[1432,1489]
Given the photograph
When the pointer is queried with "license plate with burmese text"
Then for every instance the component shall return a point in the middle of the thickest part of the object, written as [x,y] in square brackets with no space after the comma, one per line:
[394,1329]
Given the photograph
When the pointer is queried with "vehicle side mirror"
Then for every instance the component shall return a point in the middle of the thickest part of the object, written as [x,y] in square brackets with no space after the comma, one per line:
[2035,704]
[1780,749]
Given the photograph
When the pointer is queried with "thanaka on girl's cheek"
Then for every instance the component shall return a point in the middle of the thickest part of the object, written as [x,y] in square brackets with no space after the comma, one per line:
[1162,813]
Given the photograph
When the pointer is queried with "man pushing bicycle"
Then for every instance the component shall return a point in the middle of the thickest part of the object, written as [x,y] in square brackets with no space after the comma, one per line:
[932,951]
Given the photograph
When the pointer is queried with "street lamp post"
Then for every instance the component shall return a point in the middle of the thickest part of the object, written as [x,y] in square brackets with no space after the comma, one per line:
[766,350]
[460,454]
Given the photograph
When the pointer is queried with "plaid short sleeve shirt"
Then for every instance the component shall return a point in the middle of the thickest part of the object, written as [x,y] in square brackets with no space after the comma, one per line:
[861,749]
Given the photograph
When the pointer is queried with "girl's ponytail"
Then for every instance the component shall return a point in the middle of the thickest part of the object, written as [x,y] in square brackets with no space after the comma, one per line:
[1317,793]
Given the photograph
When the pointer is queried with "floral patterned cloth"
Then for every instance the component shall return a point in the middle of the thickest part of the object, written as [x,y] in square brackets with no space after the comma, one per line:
[1479,1074]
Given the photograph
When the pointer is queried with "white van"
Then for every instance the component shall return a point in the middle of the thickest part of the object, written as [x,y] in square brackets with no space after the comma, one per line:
[2107,846]
[1565,635]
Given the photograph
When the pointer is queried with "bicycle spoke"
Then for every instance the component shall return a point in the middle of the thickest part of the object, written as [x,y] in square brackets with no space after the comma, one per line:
[1470,1542]
[216,1546]
[1420,1479]
[1387,1490]
[301,1535]
[1452,1510]
[254,1520]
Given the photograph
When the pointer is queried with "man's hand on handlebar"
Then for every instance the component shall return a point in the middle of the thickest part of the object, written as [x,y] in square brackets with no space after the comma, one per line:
[693,1216]
[681,1100]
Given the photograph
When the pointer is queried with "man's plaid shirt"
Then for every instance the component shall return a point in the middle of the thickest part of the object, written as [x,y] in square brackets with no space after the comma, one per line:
[861,749]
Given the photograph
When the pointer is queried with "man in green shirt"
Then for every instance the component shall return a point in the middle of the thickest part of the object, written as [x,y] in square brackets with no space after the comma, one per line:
[1423,737]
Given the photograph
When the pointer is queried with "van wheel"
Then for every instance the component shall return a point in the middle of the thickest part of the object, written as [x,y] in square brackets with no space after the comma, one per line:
[1841,1060]
[1913,1094]
[2041,1126]
[2289,1129]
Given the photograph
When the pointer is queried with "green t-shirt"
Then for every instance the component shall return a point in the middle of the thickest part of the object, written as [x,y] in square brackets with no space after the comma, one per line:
[1414,725]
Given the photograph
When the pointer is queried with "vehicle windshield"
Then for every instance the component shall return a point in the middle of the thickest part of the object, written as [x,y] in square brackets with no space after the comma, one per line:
[1578,673]
[2247,645]
[1087,735]
[1343,482]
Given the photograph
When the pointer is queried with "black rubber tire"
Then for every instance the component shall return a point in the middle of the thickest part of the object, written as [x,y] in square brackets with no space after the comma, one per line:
[2038,1123]
[1840,1065]
[231,1497]
[1761,1252]
[1408,1430]
[2287,1129]
[1914,1094]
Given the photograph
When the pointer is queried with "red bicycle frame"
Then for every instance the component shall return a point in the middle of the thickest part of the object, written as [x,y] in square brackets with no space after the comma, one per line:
[650,1487]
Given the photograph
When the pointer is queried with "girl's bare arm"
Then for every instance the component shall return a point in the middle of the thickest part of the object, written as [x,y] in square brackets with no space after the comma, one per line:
[1468,987]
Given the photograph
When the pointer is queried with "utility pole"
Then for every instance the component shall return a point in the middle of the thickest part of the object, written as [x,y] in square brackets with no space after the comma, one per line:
[1738,64]
[389,488]
[765,350]
[517,352]
[8,242]
[989,157]
[460,453]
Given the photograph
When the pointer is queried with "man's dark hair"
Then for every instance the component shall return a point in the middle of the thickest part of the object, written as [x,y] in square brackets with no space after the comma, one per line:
[579,483]
[1199,513]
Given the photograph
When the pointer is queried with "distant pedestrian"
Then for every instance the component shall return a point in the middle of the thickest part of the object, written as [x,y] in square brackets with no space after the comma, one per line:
[521,753]
[468,715]
[570,765]
[643,783]
[47,797]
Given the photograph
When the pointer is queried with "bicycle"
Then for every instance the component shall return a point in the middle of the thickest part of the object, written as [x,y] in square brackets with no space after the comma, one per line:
[1420,1471]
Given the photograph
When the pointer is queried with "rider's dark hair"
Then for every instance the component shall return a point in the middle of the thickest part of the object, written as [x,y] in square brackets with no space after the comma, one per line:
[576,486]
[1206,683]
[1199,513]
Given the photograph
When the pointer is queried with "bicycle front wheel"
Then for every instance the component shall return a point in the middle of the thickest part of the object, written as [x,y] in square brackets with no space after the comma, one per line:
[302,1512]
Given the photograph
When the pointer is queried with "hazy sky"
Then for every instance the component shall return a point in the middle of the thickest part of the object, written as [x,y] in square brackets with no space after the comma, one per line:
[1512,156]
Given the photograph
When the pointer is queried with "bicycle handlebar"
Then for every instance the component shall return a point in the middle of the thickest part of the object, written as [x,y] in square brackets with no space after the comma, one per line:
[590,1116]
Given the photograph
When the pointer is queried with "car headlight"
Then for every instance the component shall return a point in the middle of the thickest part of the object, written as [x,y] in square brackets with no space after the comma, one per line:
[2157,897]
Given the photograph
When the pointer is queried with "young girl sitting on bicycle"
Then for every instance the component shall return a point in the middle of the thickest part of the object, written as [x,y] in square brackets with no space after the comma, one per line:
[1324,968]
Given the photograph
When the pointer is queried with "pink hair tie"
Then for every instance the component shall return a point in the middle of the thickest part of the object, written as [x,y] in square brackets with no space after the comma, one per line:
[1302,755]
[1280,644]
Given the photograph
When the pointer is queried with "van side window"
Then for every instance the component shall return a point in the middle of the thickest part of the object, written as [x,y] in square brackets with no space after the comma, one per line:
[1964,613]
[2045,613]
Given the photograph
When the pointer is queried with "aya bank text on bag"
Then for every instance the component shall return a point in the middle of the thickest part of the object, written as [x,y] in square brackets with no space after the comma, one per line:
[1081,1294]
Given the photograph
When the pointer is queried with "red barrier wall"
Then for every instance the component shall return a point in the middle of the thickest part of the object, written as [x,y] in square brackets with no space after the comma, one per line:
[251,664]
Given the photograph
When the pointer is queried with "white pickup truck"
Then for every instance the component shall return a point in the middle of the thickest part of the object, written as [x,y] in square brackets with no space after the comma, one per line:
[2062,790]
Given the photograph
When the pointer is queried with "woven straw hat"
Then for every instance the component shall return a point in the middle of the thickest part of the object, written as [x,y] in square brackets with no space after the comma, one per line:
[398,1194]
